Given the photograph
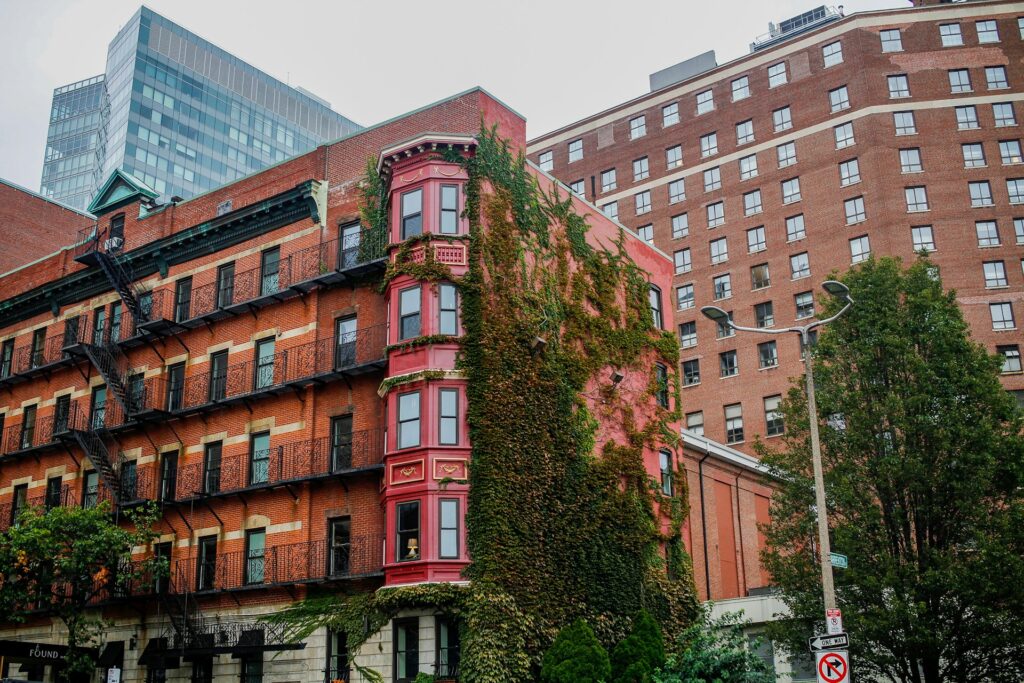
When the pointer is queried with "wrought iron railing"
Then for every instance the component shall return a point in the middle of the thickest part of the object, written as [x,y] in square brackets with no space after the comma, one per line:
[45,499]
[296,461]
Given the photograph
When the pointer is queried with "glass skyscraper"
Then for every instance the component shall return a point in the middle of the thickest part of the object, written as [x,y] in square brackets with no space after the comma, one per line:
[178,113]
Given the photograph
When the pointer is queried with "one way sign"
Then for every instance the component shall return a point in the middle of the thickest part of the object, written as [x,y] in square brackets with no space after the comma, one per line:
[836,642]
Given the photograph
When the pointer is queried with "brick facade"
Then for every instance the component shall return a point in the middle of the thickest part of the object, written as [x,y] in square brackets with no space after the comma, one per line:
[39,224]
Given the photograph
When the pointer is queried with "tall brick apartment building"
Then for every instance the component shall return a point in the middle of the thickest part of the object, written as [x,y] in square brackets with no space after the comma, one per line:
[886,132]
[234,359]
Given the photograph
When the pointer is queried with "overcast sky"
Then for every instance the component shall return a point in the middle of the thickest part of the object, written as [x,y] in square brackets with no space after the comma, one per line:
[554,61]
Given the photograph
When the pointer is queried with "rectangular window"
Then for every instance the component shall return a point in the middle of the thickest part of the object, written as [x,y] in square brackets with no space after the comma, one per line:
[259,458]
[995,77]
[950,35]
[748,167]
[773,415]
[674,157]
[99,326]
[967,117]
[752,203]
[98,409]
[740,88]
[795,229]
[1002,316]
[407,649]
[611,210]
[988,233]
[804,305]
[1015,190]
[799,265]
[641,169]
[922,238]
[28,426]
[759,276]
[995,274]
[115,321]
[175,386]
[695,422]
[716,214]
[412,214]
[981,193]
[90,489]
[450,209]
[708,145]
[448,417]
[661,382]
[680,226]
[654,299]
[1018,229]
[409,313]
[705,102]
[339,537]
[642,202]
[255,556]
[832,54]
[777,75]
[691,372]
[448,648]
[608,180]
[723,329]
[407,528]
[448,535]
[839,99]
[1003,114]
[575,150]
[637,127]
[218,376]
[791,190]
[665,465]
[270,271]
[844,135]
[546,161]
[182,299]
[54,493]
[1009,152]
[211,467]
[448,309]
[341,443]
[899,86]
[646,233]
[764,314]
[756,239]
[744,132]
[225,288]
[7,357]
[670,115]
[345,342]
[959,80]
[782,119]
[1011,357]
[684,297]
[409,419]
[168,476]
[786,154]
[719,250]
[19,502]
[206,567]
[252,668]
[854,210]
[904,122]
[734,423]
[891,40]
[264,375]
[917,198]
[682,261]
[722,286]
[849,172]
[767,355]
[712,179]
[688,334]
[910,160]
[676,191]
[860,249]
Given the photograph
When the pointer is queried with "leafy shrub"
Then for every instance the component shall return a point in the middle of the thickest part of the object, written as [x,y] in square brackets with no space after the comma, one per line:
[576,656]
[638,655]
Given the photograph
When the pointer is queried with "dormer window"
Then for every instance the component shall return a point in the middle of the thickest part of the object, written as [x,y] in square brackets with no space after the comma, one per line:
[412,214]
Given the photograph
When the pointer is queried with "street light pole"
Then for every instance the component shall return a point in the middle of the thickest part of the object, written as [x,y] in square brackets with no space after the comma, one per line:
[840,291]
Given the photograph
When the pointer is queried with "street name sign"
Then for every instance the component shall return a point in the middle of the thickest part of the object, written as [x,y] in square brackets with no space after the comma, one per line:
[839,561]
[837,642]
[832,667]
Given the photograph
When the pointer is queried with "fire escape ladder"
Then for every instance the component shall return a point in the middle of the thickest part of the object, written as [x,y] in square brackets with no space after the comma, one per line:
[112,364]
[92,445]
[182,612]
[123,280]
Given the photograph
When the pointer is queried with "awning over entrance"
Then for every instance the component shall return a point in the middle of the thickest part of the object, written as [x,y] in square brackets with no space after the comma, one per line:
[112,655]
[42,653]
[155,655]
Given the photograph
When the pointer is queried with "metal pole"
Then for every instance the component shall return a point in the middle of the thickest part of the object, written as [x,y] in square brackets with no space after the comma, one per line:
[824,548]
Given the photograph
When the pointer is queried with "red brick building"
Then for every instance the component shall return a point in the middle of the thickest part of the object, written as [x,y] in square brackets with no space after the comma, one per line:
[34,225]
[883,132]
[234,359]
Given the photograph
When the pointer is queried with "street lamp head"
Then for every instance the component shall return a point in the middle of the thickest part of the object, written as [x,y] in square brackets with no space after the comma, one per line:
[836,289]
[715,313]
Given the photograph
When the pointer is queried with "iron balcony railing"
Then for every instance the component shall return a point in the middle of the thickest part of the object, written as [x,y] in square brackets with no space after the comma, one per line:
[295,273]
[45,499]
[281,464]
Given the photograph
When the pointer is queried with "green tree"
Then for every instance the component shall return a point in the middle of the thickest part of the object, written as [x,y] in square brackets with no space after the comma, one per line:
[714,651]
[65,558]
[922,452]
[640,653]
[576,656]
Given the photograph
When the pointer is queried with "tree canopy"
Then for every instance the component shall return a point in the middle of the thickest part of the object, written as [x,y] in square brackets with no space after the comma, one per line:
[923,453]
